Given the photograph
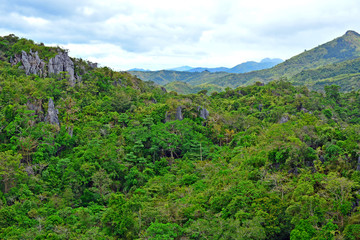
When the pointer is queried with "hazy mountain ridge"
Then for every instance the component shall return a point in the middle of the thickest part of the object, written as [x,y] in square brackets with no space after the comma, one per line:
[240,68]
[344,48]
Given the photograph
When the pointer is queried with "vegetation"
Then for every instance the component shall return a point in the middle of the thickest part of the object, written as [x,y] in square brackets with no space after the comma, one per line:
[324,57]
[272,161]
[184,88]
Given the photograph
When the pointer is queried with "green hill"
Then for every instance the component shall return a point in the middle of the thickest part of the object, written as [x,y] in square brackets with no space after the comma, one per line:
[184,88]
[341,49]
[108,156]
[344,74]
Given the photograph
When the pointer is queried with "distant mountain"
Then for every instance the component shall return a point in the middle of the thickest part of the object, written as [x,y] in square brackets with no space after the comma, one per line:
[243,67]
[253,66]
[139,70]
[200,75]
[181,69]
[164,76]
[202,69]
[341,49]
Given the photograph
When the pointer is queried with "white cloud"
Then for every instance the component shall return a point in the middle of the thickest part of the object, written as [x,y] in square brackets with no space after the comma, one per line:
[160,34]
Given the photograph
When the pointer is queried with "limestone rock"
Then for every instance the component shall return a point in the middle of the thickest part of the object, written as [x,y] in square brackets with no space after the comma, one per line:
[284,119]
[204,113]
[62,63]
[37,108]
[52,114]
[31,63]
[358,164]
[179,115]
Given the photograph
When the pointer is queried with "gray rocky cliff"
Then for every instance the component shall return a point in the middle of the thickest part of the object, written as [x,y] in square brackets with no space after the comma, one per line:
[179,115]
[36,106]
[204,113]
[62,63]
[52,114]
[31,63]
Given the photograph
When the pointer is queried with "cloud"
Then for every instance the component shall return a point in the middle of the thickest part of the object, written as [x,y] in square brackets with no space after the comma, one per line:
[206,33]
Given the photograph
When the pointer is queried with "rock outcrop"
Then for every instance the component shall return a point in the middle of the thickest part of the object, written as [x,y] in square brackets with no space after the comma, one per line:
[37,108]
[358,164]
[31,63]
[52,114]
[284,119]
[62,63]
[179,115]
[204,113]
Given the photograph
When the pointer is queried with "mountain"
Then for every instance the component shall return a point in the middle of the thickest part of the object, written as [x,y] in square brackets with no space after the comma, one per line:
[346,47]
[164,76]
[343,48]
[181,69]
[253,66]
[241,68]
[184,88]
[90,153]
[344,74]
[202,69]
[138,70]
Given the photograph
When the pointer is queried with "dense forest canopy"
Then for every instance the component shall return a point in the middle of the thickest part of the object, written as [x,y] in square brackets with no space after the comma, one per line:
[113,157]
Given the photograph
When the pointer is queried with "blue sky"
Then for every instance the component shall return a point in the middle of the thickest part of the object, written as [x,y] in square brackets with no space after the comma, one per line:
[165,34]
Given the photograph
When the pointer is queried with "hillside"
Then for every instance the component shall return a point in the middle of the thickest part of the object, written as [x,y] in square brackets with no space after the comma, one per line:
[344,48]
[341,49]
[344,74]
[184,88]
[164,77]
[108,156]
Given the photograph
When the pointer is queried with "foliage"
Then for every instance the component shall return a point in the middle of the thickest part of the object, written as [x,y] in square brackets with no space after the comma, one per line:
[272,161]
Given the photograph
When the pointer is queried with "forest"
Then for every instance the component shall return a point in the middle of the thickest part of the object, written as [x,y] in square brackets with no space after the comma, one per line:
[128,160]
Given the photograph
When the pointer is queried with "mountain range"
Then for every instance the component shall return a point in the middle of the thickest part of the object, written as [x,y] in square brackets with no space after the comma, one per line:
[341,49]
[240,68]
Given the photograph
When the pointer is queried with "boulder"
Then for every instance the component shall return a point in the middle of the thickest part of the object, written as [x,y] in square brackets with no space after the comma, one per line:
[52,114]
[284,119]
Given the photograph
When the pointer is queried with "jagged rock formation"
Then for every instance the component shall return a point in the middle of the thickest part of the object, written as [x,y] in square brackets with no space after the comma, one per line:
[31,63]
[37,108]
[179,115]
[62,63]
[52,114]
[204,113]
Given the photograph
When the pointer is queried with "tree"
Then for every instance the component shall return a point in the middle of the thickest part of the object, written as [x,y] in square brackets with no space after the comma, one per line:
[10,169]
[332,92]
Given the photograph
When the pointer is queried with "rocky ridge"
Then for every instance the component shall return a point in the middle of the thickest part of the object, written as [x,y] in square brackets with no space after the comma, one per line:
[32,64]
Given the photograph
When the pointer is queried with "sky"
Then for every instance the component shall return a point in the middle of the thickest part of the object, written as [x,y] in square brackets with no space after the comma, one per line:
[159,34]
